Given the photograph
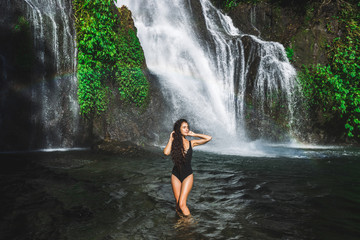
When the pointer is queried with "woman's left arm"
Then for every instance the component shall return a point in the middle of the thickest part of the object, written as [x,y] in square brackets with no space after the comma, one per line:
[203,138]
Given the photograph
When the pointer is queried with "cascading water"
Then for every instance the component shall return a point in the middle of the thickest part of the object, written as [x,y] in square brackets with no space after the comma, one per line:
[227,83]
[54,97]
[39,107]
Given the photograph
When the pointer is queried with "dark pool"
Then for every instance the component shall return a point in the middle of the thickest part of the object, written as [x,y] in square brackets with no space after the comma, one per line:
[293,194]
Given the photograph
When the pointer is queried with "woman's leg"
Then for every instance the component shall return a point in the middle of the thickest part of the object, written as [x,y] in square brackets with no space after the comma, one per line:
[176,187]
[186,186]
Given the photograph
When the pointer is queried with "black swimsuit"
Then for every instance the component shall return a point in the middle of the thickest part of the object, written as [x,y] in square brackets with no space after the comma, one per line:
[185,169]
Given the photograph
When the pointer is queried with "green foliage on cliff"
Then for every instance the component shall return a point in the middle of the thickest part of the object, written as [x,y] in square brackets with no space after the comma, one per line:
[230,4]
[21,24]
[334,89]
[109,56]
[290,53]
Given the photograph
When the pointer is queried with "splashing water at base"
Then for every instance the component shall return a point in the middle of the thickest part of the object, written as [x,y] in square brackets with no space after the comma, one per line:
[213,74]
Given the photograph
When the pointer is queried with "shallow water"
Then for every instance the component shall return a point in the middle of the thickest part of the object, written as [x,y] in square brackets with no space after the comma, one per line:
[296,193]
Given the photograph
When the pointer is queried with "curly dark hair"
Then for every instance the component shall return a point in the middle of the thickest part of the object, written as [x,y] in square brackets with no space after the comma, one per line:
[177,147]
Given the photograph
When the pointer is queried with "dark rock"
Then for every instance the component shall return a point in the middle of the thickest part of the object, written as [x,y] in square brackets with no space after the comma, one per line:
[302,27]
[125,122]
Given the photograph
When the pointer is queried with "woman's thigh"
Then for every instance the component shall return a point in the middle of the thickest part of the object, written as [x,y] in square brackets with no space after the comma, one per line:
[176,186]
[186,187]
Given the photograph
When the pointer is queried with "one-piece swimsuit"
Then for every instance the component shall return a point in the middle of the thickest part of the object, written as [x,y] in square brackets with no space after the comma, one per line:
[185,169]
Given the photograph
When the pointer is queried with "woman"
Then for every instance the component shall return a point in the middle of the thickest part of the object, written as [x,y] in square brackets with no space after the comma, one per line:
[181,152]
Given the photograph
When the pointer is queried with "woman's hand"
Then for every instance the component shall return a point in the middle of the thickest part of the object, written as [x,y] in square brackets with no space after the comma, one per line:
[203,138]
[191,134]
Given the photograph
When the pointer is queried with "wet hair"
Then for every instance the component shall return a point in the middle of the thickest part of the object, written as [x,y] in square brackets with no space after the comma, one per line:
[177,147]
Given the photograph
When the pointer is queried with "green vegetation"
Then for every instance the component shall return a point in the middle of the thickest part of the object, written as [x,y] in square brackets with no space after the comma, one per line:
[21,24]
[109,56]
[334,89]
[289,53]
[230,4]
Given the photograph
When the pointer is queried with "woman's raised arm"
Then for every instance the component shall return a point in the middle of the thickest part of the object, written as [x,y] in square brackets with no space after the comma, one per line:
[203,138]
[167,149]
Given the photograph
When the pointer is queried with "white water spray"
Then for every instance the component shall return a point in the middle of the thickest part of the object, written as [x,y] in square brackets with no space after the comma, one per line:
[206,79]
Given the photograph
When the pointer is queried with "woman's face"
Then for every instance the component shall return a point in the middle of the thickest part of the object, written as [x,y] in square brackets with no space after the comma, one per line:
[184,129]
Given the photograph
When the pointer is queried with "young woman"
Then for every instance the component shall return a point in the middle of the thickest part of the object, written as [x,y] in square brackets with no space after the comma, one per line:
[181,153]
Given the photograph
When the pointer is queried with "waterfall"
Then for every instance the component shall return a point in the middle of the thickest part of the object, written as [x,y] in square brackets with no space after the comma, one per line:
[55,97]
[227,83]
[52,86]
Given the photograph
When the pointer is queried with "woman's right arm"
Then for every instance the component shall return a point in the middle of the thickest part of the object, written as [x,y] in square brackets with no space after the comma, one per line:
[167,149]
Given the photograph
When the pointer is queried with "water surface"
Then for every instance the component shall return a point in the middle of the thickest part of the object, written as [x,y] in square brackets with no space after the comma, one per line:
[295,193]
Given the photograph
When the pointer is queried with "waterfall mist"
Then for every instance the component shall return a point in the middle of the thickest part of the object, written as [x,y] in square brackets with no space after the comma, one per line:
[226,83]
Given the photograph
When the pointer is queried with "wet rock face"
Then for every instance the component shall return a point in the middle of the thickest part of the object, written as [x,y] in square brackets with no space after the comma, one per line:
[125,122]
[304,29]
[266,21]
